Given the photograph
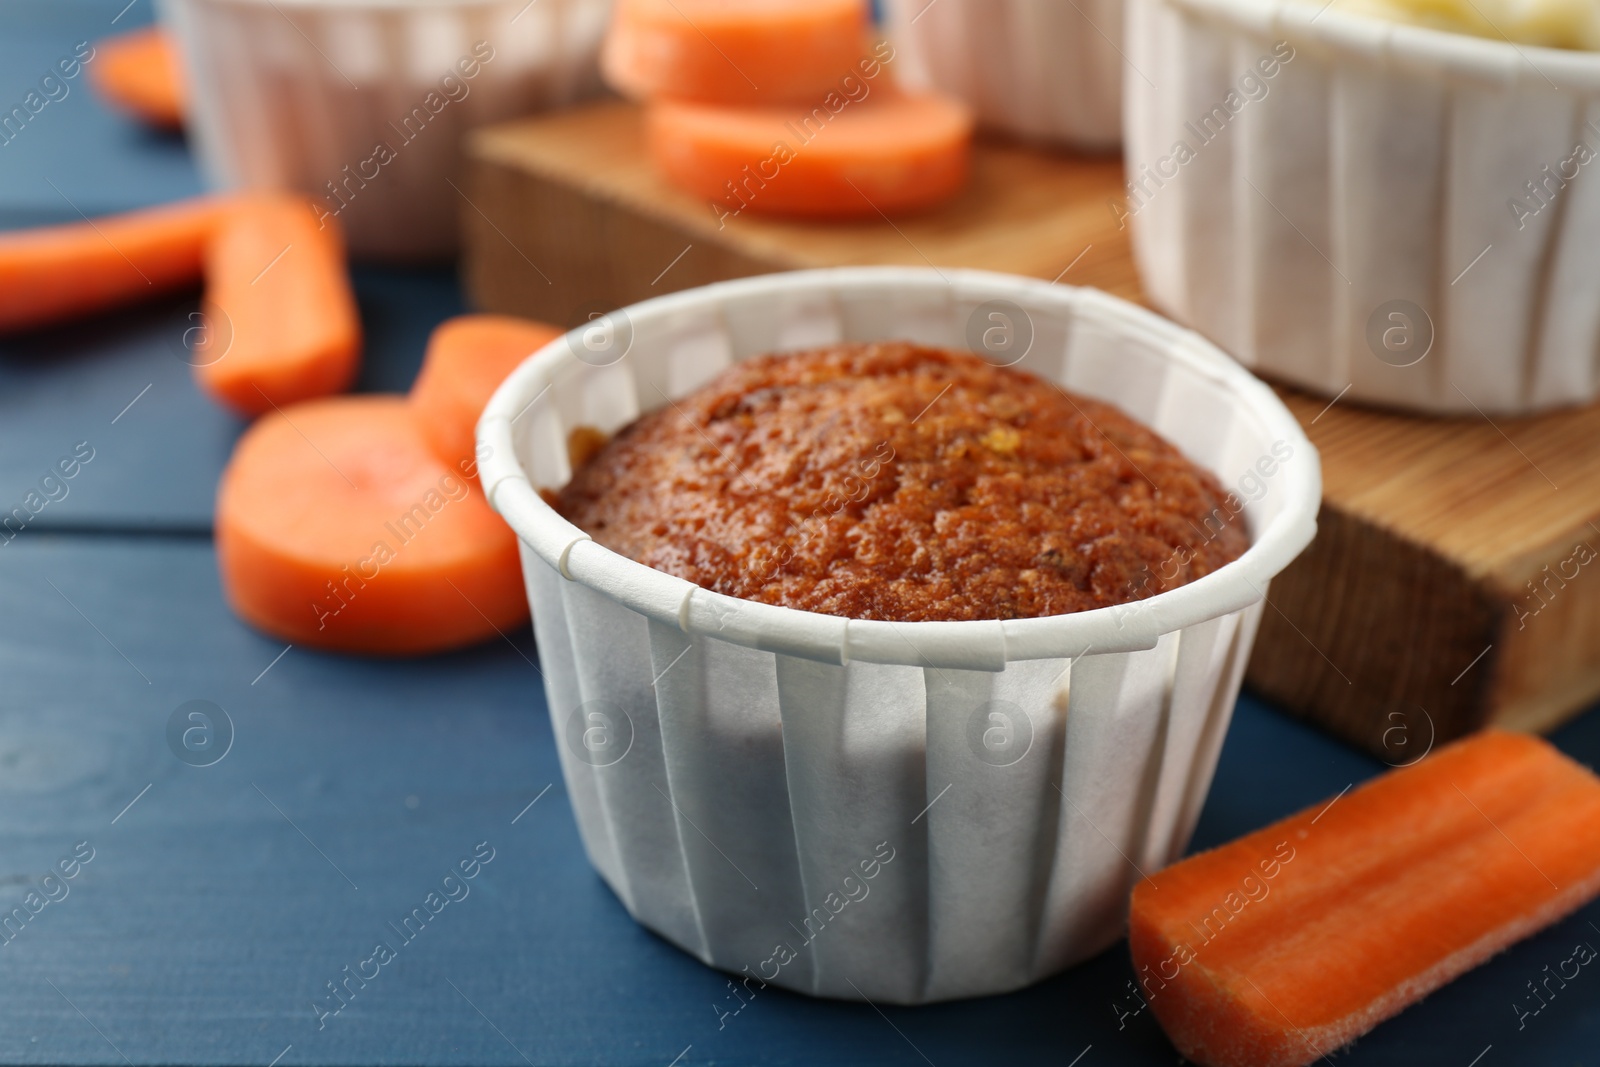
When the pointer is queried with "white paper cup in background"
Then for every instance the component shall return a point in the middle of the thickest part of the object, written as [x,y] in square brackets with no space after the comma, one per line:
[1046,70]
[906,812]
[299,94]
[1353,219]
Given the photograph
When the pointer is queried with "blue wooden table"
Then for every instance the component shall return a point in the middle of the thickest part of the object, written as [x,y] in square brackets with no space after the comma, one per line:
[220,903]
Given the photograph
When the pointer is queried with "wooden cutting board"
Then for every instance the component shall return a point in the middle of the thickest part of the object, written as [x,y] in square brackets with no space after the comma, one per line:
[1456,577]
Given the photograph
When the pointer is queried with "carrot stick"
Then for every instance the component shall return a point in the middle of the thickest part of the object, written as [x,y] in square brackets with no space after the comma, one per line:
[1278,948]
[55,273]
[888,154]
[282,319]
[139,73]
[732,51]
[467,359]
[337,528]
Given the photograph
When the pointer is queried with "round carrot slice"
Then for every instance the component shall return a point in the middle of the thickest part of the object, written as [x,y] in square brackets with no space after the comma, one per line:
[467,359]
[733,51]
[338,528]
[891,153]
[139,73]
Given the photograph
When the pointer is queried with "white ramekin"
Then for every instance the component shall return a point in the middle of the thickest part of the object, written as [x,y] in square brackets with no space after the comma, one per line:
[289,93]
[1046,70]
[758,760]
[1353,226]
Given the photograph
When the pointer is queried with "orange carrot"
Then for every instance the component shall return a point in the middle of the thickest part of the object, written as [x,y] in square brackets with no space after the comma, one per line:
[892,153]
[732,51]
[467,359]
[140,73]
[59,272]
[1278,948]
[282,321]
[337,527]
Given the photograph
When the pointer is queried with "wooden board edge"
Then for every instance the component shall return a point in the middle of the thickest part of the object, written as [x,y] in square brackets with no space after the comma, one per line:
[1550,637]
[520,225]
[1385,658]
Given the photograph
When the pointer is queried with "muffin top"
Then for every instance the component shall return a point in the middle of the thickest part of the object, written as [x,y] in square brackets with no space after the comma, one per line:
[894,481]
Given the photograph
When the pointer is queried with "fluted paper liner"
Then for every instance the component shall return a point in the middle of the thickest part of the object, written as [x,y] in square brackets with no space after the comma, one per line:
[1048,70]
[1383,165]
[287,94]
[774,756]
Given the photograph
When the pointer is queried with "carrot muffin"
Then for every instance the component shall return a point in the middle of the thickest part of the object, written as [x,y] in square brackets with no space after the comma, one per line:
[893,481]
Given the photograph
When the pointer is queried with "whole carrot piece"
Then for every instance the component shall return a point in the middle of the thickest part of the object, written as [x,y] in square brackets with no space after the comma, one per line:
[1278,948]
[282,323]
[139,73]
[54,273]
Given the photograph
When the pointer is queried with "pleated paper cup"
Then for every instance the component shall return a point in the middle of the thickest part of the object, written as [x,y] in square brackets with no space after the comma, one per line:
[1046,70]
[301,94]
[906,812]
[1403,212]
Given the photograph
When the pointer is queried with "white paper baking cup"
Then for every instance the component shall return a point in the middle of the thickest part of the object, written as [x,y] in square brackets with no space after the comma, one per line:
[1374,179]
[732,764]
[1046,70]
[288,93]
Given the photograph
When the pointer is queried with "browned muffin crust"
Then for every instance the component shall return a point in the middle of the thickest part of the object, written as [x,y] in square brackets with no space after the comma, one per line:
[892,481]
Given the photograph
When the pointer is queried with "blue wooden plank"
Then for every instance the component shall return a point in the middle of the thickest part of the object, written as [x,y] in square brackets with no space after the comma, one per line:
[115,386]
[218,906]
[220,900]
[75,154]
[110,388]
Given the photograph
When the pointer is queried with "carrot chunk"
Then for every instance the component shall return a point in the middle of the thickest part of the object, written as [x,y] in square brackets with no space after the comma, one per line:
[1278,948]
[337,527]
[891,153]
[54,273]
[732,51]
[140,73]
[467,359]
[282,322]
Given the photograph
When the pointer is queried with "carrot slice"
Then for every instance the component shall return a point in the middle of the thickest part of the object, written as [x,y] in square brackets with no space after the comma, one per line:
[467,359]
[1278,948]
[140,73]
[338,528]
[282,322]
[893,153]
[58,272]
[732,51]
